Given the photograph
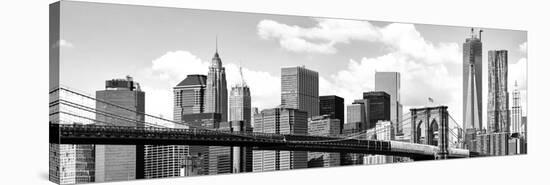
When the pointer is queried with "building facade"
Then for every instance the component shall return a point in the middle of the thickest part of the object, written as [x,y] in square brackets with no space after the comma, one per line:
[197,160]
[323,125]
[216,88]
[333,106]
[377,107]
[472,72]
[390,82]
[515,122]
[240,103]
[300,89]
[498,114]
[124,98]
[384,131]
[280,121]
[356,114]
[189,96]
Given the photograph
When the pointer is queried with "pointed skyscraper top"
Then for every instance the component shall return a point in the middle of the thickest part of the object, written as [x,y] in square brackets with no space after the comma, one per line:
[216,60]
[243,83]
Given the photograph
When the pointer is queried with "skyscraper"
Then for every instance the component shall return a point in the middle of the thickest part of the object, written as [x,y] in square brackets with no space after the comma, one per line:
[300,89]
[471,83]
[323,125]
[356,119]
[240,102]
[498,114]
[280,121]
[240,120]
[390,82]
[377,107]
[216,87]
[120,162]
[197,161]
[333,106]
[516,125]
[189,96]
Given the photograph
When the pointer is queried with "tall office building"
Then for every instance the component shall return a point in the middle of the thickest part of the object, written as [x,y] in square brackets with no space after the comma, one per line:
[333,106]
[390,82]
[163,160]
[300,89]
[498,114]
[472,84]
[240,102]
[356,118]
[124,98]
[189,96]
[216,87]
[516,125]
[383,131]
[226,159]
[323,125]
[280,121]
[197,161]
[377,107]
[254,111]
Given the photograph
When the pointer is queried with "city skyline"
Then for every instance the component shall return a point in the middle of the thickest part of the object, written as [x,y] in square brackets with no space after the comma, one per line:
[292,92]
[280,40]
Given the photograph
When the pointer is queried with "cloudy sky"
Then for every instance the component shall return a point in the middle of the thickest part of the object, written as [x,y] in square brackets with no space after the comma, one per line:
[160,46]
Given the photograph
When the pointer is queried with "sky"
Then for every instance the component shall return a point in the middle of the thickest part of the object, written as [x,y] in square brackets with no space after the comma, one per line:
[159,47]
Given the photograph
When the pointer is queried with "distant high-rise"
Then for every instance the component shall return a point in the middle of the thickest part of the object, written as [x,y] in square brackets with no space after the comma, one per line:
[377,107]
[356,118]
[240,102]
[390,82]
[323,126]
[300,89]
[280,121]
[120,162]
[498,113]
[516,125]
[216,87]
[227,159]
[383,131]
[197,160]
[333,106]
[189,96]
[472,84]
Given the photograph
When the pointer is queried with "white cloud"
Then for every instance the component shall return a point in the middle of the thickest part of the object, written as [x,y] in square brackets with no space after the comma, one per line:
[418,81]
[518,72]
[158,102]
[427,69]
[174,66]
[323,37]
[523,47]
[318,39]
[264,88]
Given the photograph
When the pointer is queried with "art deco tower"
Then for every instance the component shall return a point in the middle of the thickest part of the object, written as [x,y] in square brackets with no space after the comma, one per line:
[216,87]
[471,83]
[498,114]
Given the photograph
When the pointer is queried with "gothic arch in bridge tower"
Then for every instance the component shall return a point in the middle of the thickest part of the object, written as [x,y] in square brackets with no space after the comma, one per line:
[433,133]
[429,126]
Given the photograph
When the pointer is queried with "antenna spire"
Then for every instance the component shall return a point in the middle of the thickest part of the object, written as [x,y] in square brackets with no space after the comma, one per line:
[216,43]
[243,83]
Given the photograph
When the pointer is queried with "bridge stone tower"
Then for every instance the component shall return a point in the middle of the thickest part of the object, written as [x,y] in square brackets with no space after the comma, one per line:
[430,126]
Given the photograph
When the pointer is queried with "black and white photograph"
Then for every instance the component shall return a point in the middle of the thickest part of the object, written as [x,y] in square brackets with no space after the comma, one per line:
[180,93]
[171,92]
